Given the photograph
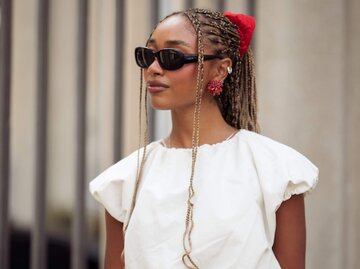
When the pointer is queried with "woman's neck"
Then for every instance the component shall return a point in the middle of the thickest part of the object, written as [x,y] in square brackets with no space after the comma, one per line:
[213,128]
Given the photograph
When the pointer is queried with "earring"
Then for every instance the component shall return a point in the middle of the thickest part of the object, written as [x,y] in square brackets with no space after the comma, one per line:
[214,87]
[229,70]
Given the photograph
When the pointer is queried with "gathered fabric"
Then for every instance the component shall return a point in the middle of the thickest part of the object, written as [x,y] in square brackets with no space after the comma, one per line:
[239,185]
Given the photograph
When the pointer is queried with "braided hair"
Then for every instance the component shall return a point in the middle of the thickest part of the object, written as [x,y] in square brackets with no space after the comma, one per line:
[237,102]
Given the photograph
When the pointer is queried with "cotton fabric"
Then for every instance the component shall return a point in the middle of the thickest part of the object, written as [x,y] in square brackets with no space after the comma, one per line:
[239,184]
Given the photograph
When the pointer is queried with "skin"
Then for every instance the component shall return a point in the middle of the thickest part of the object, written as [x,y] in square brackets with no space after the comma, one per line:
[114,243]
[290,235]
[178,95]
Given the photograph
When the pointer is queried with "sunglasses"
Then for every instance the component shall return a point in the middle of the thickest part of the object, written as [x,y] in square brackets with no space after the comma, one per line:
[169,59]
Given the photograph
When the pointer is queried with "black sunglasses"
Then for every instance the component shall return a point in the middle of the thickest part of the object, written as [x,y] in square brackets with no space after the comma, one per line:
[169,59]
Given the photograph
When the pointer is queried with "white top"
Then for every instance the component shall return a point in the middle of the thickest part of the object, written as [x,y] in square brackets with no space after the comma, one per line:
[239,184]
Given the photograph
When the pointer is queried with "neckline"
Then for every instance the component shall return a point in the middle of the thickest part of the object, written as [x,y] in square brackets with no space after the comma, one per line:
[229,139]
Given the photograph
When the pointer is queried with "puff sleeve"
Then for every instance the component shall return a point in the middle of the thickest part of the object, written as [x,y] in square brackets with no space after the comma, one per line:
[282,172]
[113,188]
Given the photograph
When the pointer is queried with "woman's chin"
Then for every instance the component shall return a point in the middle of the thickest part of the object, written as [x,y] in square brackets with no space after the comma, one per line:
[159,105]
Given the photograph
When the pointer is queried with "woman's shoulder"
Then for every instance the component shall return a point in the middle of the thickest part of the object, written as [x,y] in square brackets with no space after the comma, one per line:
[113,187]
[254,137]
[280,165]
[268,147]
[124,167]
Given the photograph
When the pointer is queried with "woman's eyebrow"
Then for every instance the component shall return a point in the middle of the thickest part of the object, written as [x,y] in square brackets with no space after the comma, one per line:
[151,41]
[177,42]
[170,43]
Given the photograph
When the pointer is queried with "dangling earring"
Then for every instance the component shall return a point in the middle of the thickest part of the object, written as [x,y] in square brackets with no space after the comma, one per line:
[214,87]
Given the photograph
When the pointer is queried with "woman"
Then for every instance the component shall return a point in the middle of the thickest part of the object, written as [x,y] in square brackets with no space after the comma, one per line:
[214,193]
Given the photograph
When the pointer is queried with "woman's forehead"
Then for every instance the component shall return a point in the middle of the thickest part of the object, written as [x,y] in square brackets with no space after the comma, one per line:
[175,30]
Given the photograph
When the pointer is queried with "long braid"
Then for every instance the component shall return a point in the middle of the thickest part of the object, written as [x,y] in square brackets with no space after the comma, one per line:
[237,102]
[140,164]
[189,222]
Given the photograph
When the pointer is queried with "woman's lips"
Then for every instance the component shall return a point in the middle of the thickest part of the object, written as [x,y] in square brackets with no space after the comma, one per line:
[156,86]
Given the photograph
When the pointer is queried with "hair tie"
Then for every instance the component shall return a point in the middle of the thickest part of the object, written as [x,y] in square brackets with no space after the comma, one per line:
[245,26]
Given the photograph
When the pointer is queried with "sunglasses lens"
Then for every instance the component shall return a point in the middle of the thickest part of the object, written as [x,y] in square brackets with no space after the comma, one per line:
[171,59]
[144,57]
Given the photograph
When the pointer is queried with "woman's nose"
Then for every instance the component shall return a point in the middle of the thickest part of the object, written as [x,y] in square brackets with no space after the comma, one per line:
[155,67]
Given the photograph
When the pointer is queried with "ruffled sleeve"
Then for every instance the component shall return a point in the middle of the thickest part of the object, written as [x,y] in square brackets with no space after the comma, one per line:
[113,188]
[282,172]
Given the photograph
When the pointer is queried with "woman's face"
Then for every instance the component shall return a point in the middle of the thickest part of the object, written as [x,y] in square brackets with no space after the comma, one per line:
[172,89]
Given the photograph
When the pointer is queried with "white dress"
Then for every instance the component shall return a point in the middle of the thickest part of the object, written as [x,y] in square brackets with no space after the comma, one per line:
[239,184]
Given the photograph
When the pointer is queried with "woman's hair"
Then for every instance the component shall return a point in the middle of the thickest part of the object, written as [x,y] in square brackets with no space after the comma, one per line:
[237,102]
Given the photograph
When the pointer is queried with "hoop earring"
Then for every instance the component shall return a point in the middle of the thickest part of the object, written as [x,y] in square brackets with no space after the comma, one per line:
[214,87]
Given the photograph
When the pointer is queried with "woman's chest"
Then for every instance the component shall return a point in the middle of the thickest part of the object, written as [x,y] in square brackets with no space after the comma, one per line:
[227,196]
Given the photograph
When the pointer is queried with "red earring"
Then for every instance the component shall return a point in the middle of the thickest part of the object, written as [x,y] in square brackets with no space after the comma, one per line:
[214,87]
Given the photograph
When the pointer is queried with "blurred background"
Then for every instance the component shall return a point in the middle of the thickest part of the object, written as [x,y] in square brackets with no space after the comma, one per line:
[69,107]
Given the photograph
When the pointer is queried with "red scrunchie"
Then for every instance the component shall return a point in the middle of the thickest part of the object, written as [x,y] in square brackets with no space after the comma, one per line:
[245,26]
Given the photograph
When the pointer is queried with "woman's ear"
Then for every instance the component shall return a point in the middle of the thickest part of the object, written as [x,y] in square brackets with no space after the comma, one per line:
[222,69]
